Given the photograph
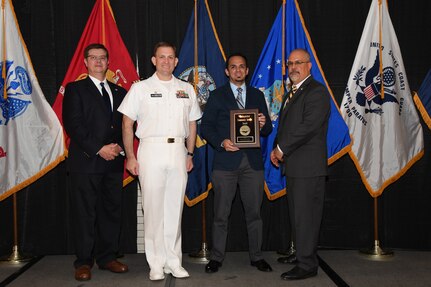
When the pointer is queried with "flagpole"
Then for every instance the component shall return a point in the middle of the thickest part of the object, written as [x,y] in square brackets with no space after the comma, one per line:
[203,255]
[283,47]
[292,250]
[15,257]
[4,49]
[376,252]
[103,23]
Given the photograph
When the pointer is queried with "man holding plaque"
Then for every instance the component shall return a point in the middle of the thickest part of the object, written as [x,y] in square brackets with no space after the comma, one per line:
[301,147]
[237,158]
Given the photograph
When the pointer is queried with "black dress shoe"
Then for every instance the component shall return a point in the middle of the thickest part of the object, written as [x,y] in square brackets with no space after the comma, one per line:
[298,273]
[212,266]
[288,259]
[261,265]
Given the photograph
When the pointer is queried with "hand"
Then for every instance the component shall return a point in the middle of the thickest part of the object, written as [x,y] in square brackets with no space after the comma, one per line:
[109,151]
[262,119]
[276,157]
[189,163]
[132,166]
[118,148]
[229,145]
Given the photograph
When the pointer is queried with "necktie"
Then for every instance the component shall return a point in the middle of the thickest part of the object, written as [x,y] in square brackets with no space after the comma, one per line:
[105,97]
[290,95]
[292,91]
[239,100]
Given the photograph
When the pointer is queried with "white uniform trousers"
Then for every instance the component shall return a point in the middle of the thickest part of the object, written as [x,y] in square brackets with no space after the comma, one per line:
[163,179]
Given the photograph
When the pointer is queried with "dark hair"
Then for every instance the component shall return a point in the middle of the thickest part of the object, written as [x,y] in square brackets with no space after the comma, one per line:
[236,55]
[95,46]
[164,44]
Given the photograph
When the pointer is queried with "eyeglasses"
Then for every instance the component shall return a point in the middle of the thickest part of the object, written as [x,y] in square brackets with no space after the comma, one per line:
[296,63]
[97,58]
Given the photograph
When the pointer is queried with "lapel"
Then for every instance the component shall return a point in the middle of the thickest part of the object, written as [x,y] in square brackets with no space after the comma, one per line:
[115,98]
[94,92]
[230,98]
[295,96]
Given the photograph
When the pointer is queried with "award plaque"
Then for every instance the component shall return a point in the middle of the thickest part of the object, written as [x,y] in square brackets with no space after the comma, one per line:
[244,128]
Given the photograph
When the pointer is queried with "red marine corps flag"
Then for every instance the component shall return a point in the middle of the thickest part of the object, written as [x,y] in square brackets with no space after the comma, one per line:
[100,28]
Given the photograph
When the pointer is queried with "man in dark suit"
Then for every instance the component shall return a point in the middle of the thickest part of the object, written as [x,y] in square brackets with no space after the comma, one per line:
[95,164]
[301,147]
[233,166]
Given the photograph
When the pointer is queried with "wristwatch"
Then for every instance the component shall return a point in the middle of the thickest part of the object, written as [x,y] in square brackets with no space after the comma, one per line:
[190,154]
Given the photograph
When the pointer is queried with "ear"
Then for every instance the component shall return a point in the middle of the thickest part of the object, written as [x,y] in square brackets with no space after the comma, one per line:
[246,72]
[153,60]
[176,61]
[226,71]
[85,62]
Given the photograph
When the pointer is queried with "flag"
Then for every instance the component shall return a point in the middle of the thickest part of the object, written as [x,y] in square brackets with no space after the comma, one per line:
[31,137]
[100,28]
[387,134]
[423,99]
[202,64]
[270,77]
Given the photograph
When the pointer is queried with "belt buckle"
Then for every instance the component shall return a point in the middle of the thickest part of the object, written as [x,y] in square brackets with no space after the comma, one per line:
[171,140]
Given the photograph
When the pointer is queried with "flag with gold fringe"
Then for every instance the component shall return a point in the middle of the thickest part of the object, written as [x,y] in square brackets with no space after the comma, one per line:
[378,107]
[422,99]
[31,137]
[288,33]
[201,63]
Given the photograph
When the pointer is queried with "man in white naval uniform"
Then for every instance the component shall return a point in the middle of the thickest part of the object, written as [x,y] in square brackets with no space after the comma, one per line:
[166,110]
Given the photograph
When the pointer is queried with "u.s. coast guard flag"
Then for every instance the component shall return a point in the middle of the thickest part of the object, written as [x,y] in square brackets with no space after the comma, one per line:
[423,99]
[269,77]
[101,28]
[31,137]
[378,107]
[206,74]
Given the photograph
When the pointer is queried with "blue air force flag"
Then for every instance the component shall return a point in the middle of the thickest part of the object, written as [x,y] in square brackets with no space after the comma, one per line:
[31,137]
[378,108]
[423,99]
[269,78]
[208,76]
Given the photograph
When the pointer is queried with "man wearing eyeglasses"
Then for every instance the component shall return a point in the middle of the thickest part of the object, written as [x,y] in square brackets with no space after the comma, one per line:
[301,147]
[95,164]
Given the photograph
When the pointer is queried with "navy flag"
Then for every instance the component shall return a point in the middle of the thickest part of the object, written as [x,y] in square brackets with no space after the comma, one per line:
[201,63]
[423,99]
[288,33]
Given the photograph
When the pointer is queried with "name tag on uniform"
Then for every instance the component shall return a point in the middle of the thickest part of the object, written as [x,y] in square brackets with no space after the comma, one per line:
[156,95]
[182,94]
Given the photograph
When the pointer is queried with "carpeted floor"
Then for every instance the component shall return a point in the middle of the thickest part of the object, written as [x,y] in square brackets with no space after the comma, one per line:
[337,268]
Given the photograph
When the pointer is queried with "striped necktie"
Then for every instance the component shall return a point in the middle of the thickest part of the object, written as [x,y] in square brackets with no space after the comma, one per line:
[292,91]
[239,100]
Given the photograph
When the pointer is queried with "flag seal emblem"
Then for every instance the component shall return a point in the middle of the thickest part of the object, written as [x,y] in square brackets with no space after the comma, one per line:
[204,85]
[369,83]
[18,84]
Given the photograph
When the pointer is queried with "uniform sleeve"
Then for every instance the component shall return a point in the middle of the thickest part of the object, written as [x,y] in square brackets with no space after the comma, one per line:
[130,106]
[195,111]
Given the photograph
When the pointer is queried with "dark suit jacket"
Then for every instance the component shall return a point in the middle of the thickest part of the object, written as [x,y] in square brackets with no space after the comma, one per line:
[88,123]
[302,130]
[215,126]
